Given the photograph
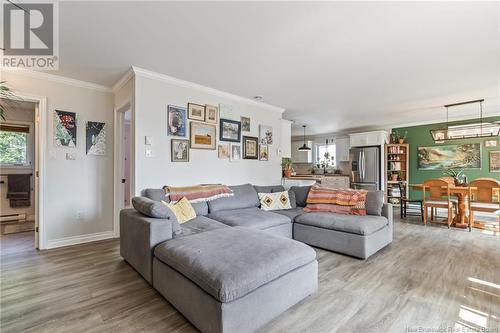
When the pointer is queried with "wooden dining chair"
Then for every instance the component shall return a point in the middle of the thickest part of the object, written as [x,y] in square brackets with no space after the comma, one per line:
[436,194]
[406,203]
[483,200]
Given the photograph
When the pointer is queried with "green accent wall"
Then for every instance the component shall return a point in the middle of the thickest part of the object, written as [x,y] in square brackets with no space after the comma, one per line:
[420,136]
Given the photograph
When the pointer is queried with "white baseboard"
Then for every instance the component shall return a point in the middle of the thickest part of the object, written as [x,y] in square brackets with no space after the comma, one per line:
[73,240]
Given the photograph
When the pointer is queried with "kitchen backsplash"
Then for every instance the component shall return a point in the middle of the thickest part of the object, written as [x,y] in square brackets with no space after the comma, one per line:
[305,168]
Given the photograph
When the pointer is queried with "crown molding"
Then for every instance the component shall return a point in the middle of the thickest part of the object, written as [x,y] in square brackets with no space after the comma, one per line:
[187,84]
[129,74]
[59,79]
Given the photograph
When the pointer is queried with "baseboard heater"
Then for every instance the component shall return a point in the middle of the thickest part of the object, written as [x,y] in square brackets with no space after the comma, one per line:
[13,218]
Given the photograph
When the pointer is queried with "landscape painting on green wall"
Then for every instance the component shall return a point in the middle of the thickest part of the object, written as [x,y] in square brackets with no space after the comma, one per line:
[450,156]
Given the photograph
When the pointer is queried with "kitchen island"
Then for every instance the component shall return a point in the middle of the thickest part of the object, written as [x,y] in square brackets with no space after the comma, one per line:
[329,180]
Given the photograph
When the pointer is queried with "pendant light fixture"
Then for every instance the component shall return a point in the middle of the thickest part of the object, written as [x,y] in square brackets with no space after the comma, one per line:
[304,146]
[465,131]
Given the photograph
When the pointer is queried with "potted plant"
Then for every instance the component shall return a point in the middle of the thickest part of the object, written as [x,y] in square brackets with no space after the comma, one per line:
[459,178]
[401,138]
[287,167]
[395,175]
[6,98]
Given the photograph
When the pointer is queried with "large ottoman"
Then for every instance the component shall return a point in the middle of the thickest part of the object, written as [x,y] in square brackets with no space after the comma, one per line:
[234,279]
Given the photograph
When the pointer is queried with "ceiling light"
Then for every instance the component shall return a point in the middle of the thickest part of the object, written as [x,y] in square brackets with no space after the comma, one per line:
[304,146]
[466,131]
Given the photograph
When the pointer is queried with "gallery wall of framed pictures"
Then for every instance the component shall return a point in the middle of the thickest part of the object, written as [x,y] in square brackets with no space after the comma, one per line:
[200,126]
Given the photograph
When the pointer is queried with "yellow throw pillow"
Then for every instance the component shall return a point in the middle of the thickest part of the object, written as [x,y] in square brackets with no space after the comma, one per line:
[183,210]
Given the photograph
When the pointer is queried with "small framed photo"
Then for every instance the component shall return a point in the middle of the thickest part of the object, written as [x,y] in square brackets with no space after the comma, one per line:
[491,143]
[211,114]
[177,121]
[223,151]
[180,150]
[202,135]
[245,124]
[250,147]
[235,153]
[229,130]
[266,135]
[263,152]
[196,112]
[494,161]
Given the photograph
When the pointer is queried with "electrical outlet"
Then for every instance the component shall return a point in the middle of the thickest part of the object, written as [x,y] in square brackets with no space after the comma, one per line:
[149,153]
[79,216]
[70,156]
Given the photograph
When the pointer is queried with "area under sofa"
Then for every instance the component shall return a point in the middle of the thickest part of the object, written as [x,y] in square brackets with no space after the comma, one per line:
[149,244]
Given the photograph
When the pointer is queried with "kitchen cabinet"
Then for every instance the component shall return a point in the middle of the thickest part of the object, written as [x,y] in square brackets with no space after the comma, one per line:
[286,138]
[301,156]
[375,138]
[342,146]
[335,182]
[289,182]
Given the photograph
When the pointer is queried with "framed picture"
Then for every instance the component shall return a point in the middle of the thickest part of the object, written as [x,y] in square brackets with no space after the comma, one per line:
[250,147]
[491,143]
[223,151]
[202,135]
[177,121]
[229,130]
[65,129]
[180,150]
[226,111]
[196,111]
[263,152]
[235,153]
[451,156]
[265,135]
[95,138]
[211,114]
[245,124]
[494,161]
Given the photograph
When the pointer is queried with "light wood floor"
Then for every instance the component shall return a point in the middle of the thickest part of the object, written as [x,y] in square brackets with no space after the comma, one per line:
[430,277]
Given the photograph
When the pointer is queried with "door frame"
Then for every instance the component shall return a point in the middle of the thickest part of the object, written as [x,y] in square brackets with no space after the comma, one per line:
[119,113]
[41,135]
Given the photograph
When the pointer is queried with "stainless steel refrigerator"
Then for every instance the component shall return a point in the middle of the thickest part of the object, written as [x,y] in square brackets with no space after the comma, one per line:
[365,167]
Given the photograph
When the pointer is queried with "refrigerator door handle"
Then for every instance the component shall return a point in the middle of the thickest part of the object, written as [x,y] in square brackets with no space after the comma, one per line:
[361,165]
[364,165]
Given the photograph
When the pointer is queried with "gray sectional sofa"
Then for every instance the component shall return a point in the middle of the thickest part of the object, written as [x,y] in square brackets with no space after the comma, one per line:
[235,267]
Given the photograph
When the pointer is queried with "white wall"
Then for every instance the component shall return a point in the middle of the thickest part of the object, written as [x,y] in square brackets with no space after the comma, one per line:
[152,95]
[83,185]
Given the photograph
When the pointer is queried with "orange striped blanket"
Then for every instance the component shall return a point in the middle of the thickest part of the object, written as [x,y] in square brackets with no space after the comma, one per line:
[198,193]
[345,201]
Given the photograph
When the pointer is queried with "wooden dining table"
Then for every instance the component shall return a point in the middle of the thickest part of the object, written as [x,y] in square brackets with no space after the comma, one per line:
[461,219]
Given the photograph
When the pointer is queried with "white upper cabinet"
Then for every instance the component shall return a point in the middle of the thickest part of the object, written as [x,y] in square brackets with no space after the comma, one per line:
[375,138]
[286,138]
[342,146]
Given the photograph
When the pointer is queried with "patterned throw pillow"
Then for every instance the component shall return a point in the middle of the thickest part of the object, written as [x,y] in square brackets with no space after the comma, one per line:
[343,201]
[274,201]
[182,210]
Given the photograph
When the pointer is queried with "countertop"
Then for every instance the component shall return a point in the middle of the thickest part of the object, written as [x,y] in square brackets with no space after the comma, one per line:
[314,177]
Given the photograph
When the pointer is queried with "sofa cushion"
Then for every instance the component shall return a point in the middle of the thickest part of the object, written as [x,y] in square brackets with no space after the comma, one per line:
[374,202]
[245,196]
[301,193]
[229,263]
[291,213]
[157,210]
[156,194]
[199,224]
[360,225]
[250,217]
[269,189]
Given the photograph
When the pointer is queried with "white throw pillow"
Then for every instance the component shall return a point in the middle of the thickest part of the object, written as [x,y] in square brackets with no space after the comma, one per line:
[274,201]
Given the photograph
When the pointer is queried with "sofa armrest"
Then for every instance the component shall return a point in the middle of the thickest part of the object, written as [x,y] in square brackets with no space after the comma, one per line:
[139,235]
[387,211]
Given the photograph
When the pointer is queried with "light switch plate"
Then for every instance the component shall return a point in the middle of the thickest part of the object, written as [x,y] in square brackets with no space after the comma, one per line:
[53,155]
[148,140]
[70,156]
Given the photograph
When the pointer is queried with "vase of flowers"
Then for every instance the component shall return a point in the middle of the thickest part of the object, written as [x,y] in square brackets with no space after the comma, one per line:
[459,178]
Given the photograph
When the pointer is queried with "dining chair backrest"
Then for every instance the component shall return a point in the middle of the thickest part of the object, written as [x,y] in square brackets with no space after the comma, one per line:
[485,190]
[402,189]
[438,189]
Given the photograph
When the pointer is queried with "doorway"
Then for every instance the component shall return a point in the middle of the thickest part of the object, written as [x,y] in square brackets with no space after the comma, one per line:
[126,156]
[19,171]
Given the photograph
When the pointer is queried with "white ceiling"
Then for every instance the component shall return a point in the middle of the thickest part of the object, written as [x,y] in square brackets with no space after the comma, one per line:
[332,65]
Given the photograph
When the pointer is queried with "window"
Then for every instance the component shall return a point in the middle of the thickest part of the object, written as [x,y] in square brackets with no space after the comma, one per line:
[329,158]
[14,144]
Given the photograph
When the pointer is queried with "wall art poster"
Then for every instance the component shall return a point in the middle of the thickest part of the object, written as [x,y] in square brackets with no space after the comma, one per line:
[265,135]
[177,121]
[450,156]
[65,129]
[95,137]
